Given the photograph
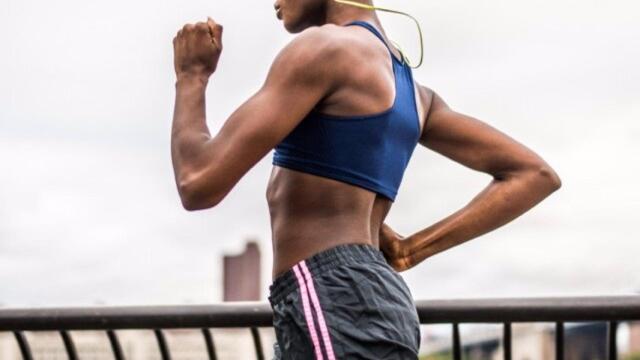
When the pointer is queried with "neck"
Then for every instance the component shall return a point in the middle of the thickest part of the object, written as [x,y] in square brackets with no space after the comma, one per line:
[341,14]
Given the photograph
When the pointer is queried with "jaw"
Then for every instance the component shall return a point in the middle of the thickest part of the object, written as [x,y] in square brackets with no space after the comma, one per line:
[298,15]
[295,28]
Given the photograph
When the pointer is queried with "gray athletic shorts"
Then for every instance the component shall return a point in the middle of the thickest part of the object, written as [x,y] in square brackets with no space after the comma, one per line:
[344,303]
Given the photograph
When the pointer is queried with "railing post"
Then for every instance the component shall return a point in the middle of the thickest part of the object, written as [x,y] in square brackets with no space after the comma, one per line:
[506,339]
[257,343]
[162,345]
[457,351]
[612,351]
[25,349]
[559,340]
[208,340]
[69,345]
[115,345]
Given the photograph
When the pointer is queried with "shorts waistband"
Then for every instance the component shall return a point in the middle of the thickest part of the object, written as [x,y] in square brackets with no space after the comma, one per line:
[321,262]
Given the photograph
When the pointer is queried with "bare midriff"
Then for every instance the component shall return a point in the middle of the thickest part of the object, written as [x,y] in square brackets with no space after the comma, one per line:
[311,213]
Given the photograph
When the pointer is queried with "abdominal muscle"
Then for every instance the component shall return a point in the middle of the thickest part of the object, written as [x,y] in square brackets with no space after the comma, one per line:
[311,213]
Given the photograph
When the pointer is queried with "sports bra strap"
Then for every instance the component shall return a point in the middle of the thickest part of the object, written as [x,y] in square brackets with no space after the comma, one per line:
[375,32]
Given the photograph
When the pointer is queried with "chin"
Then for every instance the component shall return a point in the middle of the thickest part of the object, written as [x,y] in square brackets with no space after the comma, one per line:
[294,28]
[299,16]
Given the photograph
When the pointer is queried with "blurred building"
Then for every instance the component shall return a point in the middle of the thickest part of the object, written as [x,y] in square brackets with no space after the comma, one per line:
[242,275]
[634,337]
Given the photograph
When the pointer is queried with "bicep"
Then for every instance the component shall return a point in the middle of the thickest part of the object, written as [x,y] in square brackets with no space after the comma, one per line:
[294,85]
[259,124]
[474,143]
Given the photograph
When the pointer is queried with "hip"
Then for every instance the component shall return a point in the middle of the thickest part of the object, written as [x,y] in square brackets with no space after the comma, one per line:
[344,301]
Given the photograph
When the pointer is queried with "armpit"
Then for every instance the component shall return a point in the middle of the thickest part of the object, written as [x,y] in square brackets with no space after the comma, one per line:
[424,97]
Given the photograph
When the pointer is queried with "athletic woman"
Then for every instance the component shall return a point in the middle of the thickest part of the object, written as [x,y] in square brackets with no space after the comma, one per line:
[342,111]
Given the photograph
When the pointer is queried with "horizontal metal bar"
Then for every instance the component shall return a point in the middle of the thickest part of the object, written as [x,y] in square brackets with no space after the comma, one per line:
[241,314]
[540,309]
[258,314]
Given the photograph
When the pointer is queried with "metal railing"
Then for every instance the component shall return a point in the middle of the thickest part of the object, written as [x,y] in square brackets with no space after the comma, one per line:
[505,311]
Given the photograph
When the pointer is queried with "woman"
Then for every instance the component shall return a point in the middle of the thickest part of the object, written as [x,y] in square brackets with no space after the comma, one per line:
[344,115]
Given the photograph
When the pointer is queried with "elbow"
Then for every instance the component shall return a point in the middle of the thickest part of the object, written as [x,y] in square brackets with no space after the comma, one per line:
[194,196]
[190,204]
[547,175]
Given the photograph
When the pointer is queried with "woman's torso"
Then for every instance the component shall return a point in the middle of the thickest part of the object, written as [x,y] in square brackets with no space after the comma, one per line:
[311,213]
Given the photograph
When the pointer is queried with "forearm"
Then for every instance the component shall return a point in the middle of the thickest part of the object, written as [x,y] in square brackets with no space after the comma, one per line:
[192,147]
[189,131]
[500,202]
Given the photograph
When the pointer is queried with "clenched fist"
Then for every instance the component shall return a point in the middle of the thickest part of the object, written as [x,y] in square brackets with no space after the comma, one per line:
[197,48]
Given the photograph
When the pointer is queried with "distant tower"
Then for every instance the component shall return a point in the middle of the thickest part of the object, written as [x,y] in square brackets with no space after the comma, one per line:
[242,274]
[634,337]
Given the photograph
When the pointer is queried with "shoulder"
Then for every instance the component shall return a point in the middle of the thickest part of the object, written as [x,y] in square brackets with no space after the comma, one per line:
[317,39]
[318,52]
[326,42]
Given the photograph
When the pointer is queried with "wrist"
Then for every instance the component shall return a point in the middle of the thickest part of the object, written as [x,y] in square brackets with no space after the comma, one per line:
[187,78]
[404,252]
[419,247]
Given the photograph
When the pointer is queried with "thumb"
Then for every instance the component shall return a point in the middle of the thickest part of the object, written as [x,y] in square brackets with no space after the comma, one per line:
[215,30]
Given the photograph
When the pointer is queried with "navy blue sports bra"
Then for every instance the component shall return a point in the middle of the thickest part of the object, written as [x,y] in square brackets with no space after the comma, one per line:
[369,151]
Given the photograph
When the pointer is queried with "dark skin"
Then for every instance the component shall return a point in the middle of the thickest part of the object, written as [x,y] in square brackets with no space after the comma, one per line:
[338,70]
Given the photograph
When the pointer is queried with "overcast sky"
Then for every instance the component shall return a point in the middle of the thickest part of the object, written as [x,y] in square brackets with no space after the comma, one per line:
[88,207]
